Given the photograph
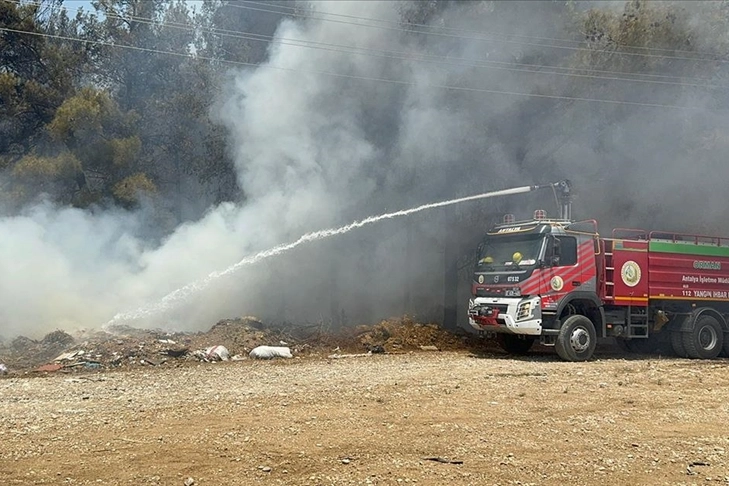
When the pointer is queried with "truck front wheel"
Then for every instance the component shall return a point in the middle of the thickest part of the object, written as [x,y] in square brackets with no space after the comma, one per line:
[576,339]
[514,344]
[705,340]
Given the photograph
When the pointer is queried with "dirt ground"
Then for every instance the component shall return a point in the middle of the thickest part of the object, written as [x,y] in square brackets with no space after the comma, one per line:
[408,416]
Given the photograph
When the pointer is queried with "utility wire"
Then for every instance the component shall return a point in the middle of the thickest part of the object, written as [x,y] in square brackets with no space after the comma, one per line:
[454,29]
[266,38]
[363,78]
[427,58]
[479,37]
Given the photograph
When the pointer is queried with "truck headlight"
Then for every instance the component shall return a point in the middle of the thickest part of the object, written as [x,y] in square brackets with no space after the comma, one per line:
[524,311]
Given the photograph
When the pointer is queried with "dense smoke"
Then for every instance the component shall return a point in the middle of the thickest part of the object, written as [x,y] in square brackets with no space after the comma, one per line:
[316,151]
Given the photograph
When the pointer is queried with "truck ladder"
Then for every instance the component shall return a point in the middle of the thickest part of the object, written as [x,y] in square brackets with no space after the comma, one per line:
[637,323]
[609,272]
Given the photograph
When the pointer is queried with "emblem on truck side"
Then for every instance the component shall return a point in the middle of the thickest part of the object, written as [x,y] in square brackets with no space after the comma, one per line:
[630,273]
[556,283]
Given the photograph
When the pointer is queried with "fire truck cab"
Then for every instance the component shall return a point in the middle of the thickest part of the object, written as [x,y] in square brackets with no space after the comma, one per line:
[537,279]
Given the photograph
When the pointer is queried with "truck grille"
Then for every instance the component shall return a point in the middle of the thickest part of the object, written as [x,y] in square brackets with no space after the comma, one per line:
[500,307]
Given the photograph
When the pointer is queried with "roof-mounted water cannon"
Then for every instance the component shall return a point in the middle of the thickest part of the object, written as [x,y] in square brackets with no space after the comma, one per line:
[564,188]
[563,194]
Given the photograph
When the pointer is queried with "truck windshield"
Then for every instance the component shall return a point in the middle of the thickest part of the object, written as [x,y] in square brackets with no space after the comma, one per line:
[509,253]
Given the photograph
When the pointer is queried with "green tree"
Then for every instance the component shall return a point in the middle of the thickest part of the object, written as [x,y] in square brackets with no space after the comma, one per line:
[37,73]
[180,147]
[103,138]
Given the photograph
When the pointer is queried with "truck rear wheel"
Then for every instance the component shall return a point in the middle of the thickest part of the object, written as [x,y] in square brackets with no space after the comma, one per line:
[705,340]
[677,344]
[514,344]
[576,339]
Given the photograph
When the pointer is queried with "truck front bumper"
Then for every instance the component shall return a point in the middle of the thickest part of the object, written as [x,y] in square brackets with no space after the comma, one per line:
[507,315]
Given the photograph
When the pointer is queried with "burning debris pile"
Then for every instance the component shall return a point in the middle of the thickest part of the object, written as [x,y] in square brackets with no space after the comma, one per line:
[229,339]
[405,334]
[14,354]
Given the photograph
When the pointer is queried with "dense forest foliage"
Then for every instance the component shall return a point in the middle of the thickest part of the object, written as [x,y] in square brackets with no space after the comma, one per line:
[263,120]
[112,104]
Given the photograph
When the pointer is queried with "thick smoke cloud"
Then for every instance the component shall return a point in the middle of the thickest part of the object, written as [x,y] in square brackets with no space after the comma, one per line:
[316,151]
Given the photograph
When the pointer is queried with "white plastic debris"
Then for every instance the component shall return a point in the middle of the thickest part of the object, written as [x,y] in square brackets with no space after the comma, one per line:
[217,353]
[342,356]
[213,353]
[69,355]
[270,352]
[3,369]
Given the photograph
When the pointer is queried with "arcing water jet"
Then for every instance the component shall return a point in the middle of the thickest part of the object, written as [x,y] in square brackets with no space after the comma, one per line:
[176,296]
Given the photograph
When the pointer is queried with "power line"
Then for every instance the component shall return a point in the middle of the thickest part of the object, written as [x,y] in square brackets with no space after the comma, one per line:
[364,78]
[399,24]
[428,58]
[454,29]
[480,37]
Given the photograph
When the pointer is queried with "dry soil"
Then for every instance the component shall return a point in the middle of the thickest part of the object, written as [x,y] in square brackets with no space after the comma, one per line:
[427,418]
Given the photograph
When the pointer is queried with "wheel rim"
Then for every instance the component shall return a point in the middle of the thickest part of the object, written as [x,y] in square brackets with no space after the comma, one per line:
[580,339]
[708,338]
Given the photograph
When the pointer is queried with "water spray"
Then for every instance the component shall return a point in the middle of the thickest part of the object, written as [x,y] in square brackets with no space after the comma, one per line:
[174,297]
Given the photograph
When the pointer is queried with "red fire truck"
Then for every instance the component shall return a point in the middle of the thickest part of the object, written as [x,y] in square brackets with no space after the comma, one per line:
[560,282]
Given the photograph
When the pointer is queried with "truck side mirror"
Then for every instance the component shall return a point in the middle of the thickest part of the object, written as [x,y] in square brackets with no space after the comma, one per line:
[556,252]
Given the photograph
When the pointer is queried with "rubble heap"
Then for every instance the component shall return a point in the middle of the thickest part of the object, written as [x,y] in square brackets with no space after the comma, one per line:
[405,334]
[124,347]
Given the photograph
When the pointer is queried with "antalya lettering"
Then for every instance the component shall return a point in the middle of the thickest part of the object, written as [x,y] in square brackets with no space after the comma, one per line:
[702,279]
[701,265]
[687,280]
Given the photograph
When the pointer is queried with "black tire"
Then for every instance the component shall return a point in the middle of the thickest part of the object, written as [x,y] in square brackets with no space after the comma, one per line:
[705,340]
[576,339]
[725,352]
[677,344]
[514,344]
